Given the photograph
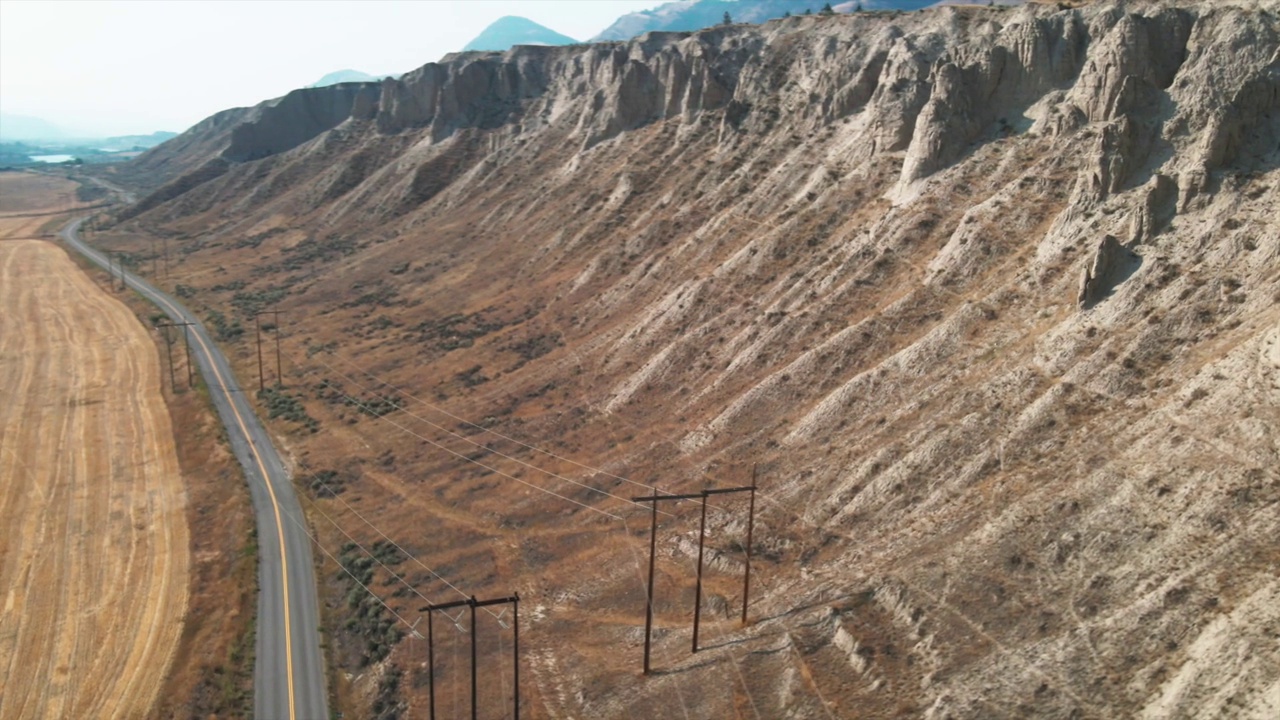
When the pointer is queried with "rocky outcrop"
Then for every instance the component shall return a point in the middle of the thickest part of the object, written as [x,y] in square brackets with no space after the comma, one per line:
[298,117]
[1157,209]
[935,85]
[609,88]
[1135,57]
[1111,264]
[973,87]
[1119,149]
[1248,124]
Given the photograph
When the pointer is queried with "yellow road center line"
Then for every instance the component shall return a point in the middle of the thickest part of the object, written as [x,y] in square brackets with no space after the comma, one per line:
[284,559]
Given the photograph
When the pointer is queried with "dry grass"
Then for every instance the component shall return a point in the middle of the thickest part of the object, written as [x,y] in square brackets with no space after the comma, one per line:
[210,646]
[995,490]
[212,672]
[95,556]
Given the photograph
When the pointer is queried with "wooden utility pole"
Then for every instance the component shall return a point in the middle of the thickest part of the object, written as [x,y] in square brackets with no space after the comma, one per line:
[431,651]
[168,346]
[515,646]
[648,598]
[751,521]
[114,259]
[473,604]
[186,342]
[473,657]
[655,498]
[702,534]
[262,383]
[191,372]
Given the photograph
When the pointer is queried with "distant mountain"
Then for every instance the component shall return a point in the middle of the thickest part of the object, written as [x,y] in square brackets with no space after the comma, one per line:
[24,127]
[511,30]
[344,76]
[689,15]
[129,142]
[979,2]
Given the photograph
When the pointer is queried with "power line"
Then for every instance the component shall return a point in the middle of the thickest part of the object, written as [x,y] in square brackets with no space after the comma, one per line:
[387,538]
[385,417]
[468,423]
[338,497]
[466,439]
[483,429]
[316,506]
[315,540]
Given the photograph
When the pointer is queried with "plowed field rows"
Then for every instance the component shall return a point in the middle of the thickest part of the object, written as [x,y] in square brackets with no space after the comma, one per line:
[94,545]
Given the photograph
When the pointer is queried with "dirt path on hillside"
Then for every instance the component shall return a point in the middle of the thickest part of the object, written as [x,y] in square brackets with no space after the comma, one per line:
[94,561]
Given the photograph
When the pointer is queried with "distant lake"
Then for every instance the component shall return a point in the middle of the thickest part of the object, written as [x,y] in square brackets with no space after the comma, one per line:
[52,158]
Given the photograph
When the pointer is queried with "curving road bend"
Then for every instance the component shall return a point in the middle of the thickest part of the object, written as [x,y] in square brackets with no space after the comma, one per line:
[289,672]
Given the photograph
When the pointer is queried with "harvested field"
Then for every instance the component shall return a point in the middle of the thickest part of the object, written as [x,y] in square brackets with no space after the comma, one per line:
[94,559]
[30,201]
[25,193]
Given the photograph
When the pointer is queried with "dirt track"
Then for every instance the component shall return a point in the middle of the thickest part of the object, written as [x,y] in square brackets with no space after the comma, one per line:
[94,562]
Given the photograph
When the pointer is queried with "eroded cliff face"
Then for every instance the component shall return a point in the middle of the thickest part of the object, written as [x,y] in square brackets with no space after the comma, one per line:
[931,84]
[990,296]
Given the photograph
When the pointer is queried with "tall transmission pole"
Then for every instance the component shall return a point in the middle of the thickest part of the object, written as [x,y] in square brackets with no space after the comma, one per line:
[168,345]
[751,521]
[257,321]
[653,546]
[657,497]
[114,260]
[186,342]
[473,604]
[431,651]
[702,535]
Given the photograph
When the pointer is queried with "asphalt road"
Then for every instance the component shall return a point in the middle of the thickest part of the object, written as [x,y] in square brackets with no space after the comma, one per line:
[289,674]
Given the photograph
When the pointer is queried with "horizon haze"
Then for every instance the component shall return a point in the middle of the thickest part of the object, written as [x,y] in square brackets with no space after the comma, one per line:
[97,69]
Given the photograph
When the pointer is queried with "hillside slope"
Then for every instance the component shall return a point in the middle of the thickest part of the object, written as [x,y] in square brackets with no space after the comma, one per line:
[990,297]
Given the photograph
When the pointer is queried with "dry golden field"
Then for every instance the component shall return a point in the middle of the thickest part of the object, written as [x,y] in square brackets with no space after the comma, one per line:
[94,559]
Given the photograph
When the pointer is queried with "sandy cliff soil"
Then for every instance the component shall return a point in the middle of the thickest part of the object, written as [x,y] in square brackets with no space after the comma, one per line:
[989,296]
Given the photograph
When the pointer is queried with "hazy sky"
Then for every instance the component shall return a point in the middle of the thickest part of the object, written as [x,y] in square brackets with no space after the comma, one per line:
[114,68]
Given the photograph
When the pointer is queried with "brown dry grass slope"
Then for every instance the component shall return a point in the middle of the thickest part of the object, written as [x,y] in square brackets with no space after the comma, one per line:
[94,557]
[848,249]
